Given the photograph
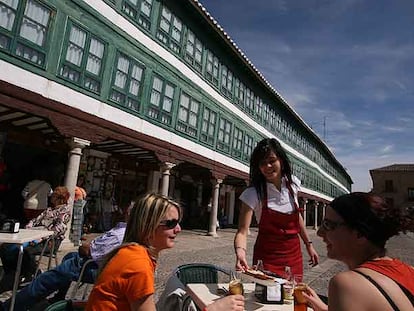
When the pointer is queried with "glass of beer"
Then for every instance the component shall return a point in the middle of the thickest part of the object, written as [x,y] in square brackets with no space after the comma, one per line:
[298,300]
[235,284]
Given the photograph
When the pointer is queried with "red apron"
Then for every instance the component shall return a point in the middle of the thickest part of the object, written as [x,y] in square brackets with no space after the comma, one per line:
[277,243]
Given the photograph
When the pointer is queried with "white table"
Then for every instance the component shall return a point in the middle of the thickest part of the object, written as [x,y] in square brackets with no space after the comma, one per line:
[205,294]
[24,235]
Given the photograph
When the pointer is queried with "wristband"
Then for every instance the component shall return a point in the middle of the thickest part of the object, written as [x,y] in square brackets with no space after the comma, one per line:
[236,247]
[308,243]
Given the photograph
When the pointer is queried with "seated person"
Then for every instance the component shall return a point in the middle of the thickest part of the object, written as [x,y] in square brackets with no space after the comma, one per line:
[60,277]
[54,218]
[356,228]
[126,280]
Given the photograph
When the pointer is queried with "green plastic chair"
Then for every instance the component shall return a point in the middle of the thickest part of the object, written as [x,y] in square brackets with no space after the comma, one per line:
[199,273]
[62,305]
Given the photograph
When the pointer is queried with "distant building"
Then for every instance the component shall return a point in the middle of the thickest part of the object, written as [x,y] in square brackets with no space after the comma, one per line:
[395,183]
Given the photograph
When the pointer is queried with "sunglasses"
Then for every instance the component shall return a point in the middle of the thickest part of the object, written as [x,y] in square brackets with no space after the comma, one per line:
[170,223]
[330,225]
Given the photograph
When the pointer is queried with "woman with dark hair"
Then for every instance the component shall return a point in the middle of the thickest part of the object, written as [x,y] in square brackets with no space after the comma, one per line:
[272,197]
[126,279]
[355,229]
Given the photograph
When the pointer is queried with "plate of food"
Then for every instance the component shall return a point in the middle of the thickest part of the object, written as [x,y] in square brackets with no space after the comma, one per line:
[258,274]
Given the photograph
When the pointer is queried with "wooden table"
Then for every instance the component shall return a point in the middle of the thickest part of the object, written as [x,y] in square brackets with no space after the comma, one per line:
[24,235]
[204,294]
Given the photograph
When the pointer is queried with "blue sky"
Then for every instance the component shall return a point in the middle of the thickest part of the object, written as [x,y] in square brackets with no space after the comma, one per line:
[350,62]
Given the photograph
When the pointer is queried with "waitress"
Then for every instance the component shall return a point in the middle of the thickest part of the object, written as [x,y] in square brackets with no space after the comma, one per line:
[272,197]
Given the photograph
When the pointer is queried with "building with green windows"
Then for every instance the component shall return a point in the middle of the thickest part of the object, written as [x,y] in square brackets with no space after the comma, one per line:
[146,95]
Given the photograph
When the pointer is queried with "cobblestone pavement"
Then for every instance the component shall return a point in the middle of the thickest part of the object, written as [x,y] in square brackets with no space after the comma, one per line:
[194,246]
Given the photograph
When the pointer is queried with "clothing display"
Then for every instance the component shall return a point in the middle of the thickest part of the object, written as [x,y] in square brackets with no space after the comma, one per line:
[36,194]
[277,243]
[115,288]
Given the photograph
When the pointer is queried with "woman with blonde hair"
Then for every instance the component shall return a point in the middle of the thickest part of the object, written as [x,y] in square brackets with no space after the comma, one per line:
[126,280]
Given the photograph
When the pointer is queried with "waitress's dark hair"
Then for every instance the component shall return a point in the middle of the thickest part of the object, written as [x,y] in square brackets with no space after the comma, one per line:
[260,152]
[372,217]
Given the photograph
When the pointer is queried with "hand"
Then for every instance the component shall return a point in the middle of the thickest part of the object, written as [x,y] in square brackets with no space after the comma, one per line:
[228,303]
[241,262]
[314,301]
[85,247]
[314,257]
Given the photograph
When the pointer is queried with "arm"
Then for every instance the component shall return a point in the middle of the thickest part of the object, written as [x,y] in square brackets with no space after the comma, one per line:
[314,258]
[240,240]
[143,304]
[36,221]
[228,303]
[314,301]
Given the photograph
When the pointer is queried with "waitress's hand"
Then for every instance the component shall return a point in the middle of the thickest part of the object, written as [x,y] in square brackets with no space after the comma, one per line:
[314,257]
[241,262]
[314,301]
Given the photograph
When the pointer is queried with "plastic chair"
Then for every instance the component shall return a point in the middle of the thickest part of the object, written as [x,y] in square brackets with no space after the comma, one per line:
[199,273]
[62,305]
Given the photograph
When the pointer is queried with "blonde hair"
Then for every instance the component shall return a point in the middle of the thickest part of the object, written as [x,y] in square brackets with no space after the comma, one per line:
[144,219]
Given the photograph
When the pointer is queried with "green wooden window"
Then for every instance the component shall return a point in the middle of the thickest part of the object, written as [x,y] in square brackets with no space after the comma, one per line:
[193,51]
[161,100]
[208,126]
[82,58]
[24,28]
[188,115]
[247,147]
[139,11]
[224,134]
[266,115]
[226,82]
[212,68]
[239,90]
[258,107]
[127,82]
[272,120]
[237,142]
[170,30]
[249,101]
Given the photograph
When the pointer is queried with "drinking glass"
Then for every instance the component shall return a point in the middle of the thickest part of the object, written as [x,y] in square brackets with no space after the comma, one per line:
[298,288]
[235,284]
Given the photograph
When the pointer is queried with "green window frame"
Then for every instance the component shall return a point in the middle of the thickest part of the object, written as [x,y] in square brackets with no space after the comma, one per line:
[170,29]
[193,51]
[127,82]
[258,107]
[82,60]
[208,126]
[247,147]
[25,28]
[161,100]
[139,10]
[237,142]
[266,115]
[212,68]
[272,120]
[226,82]
[249,101]
[188,111]
[239,90]
[224,135]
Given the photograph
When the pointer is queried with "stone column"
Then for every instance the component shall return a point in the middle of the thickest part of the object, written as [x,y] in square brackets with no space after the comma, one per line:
[315,225]
[232,200]
[153,181]
[305,202]
[214,207]
[166,171]
[76,145]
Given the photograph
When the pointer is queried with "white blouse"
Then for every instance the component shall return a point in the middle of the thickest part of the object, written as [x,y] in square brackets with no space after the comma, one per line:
[277,200]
